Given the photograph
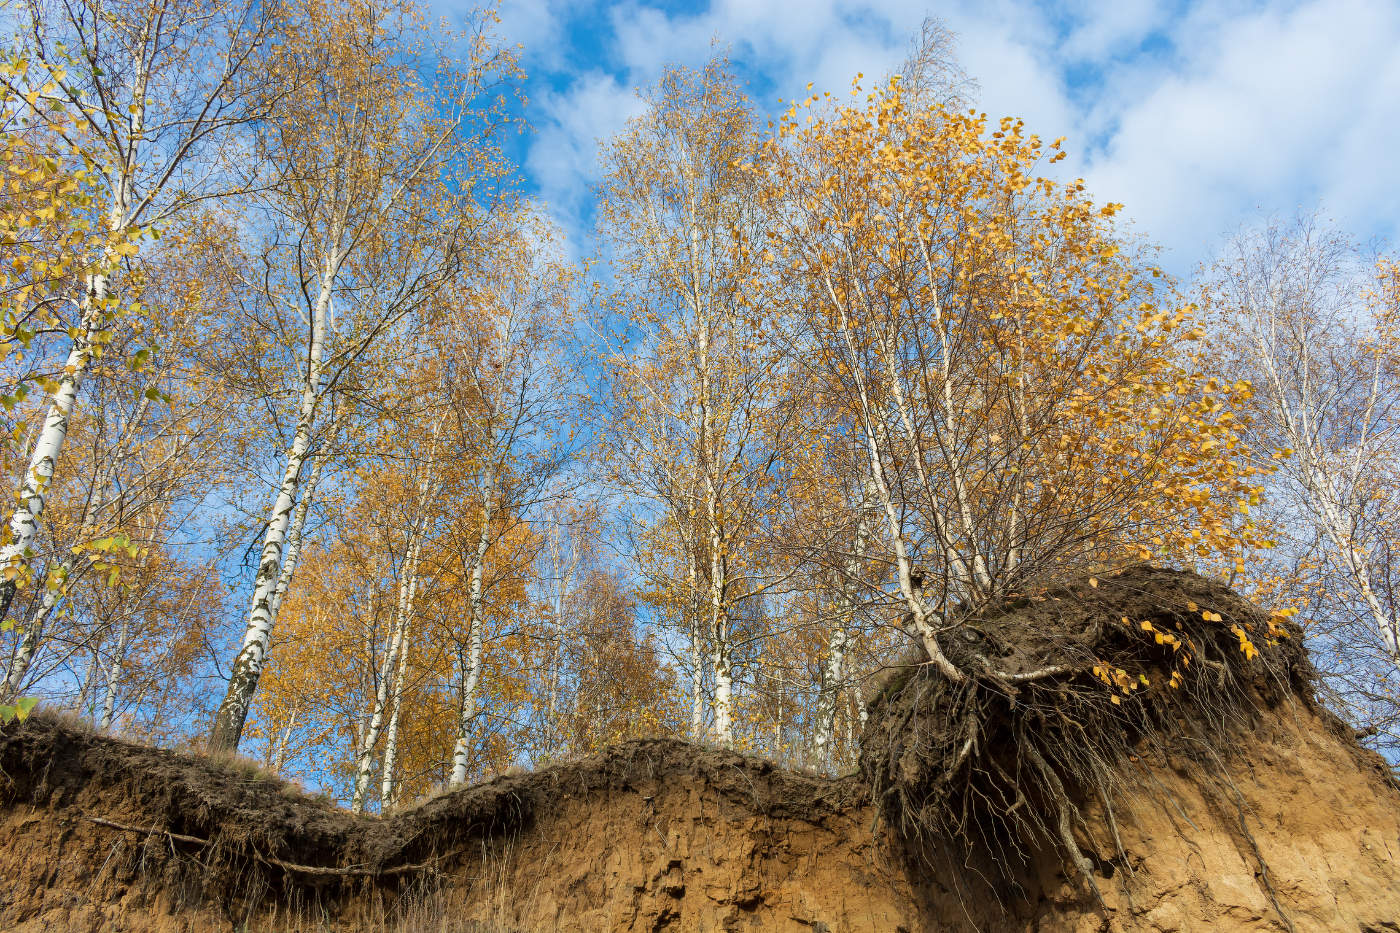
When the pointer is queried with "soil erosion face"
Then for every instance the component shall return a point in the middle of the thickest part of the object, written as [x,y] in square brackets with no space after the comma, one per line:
[1024,799]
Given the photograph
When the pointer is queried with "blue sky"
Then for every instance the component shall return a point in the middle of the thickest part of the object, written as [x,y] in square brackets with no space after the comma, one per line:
[1198,116]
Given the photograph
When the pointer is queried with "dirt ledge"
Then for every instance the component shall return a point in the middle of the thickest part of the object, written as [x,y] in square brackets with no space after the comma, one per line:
[1288,826]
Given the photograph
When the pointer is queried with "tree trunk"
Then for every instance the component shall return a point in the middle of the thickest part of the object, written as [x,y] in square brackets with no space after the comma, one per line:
[114,669]
[471,666]
[33,634]
[388,787]
[38,474]
[428,489]
[392,663]
[89,681]
[721,661]
[917,624]
[471,678]
[295,532]
[833,675]
[697,680]
[247,666]
[721,665]
[279,759]
[556,654]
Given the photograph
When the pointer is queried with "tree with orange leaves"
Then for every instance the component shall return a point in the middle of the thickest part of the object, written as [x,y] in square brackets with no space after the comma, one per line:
[697,424]
[1026,403]
[378,169]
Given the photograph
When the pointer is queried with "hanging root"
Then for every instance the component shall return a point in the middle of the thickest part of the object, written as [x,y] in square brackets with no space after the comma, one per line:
[1055,692]
[1064,807]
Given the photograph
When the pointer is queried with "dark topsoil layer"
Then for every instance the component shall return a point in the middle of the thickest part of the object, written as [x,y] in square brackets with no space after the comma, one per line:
[232,806]
[253,825]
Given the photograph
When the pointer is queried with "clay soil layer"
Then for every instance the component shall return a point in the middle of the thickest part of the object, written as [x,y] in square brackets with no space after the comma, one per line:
[1289,826]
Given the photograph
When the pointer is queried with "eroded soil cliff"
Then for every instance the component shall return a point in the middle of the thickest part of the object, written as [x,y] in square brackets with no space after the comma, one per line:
[1269,817]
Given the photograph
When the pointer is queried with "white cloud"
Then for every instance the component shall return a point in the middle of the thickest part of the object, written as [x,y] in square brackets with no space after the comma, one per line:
[1193,114]
[1103,30]
[1269,109]
[563,159]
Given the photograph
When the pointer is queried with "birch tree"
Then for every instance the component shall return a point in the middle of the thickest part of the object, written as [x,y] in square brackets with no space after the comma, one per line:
[389,689]
[158,433]
[513,394]
[138,93]
[374,211]
[835,674]
[1301,312]
[696,417]
[571,534]
[1024,400]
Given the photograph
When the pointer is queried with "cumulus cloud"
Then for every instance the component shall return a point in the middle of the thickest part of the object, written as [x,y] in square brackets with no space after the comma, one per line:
[1194,113]
[563,158]
[1271,109]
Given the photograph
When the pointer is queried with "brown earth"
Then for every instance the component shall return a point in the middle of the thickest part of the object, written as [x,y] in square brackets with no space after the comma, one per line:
[1260,813]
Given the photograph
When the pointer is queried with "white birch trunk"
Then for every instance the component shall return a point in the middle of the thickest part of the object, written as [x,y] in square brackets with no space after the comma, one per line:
[89,681]
[393,663]
[833,676]
[1354,559]
[1321,492]
[247,666]
[29,641]
[428,489]
[778,716]
[279,759]
[295,531]
[32,636]
[556,660]
[388,790]
[471,667]
[114,670]
[364,764]
[722,667]
[38,475]
[919,625]
[697,680]
[721,660]
[848,730]
[388,787]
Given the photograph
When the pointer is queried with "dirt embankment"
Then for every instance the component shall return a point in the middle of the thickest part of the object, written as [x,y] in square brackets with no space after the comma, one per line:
[1023,799]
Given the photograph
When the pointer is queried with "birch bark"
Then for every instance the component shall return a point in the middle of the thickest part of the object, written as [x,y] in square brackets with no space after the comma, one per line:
[565,569]
[364,764]
[114,670]
[34,627]
[38,474]
[147,55]
[833,675]
[388,787]
[279,758]
[872,429]
[394,663]
[295,531]
[428,489]
[1299,422]
[697,655]
[471,663]
[248,665]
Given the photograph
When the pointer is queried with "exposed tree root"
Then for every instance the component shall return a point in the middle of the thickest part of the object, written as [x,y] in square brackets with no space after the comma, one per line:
[1060,689]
